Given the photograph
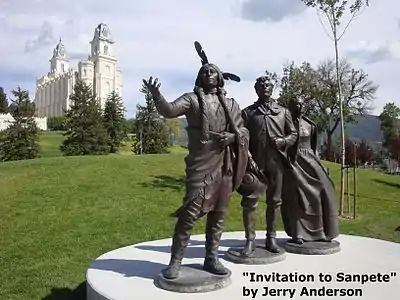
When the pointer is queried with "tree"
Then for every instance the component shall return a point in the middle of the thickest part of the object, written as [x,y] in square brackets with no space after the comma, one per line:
[390,126]
[364,152]
[85,133]
[334,11]
[152,134]
[130,125]
[21,139]
[114,121]
[174,129]
[3,102]
[56,123]
[349,144]
[318,87]
[390,122]
[394,149]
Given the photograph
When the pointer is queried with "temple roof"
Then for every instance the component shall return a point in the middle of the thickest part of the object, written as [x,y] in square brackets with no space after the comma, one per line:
[60,51]
[102,31]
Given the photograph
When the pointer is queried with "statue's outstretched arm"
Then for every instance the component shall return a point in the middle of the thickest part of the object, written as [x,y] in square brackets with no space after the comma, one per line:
[177,108]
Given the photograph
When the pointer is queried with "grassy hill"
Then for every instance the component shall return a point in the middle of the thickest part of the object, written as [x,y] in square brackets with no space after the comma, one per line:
[57,214]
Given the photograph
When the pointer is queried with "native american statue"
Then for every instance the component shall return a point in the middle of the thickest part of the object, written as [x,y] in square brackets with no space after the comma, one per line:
[217,159]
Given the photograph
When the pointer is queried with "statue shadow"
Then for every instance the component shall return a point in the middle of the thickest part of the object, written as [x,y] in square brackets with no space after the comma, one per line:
[79,293]
[388,183]
[165,181]
[196,248]
[129,267]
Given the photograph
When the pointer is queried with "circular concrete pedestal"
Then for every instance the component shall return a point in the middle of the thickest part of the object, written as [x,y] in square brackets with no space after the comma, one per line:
[313,248]
[260,256]
[193,279]
[129,273]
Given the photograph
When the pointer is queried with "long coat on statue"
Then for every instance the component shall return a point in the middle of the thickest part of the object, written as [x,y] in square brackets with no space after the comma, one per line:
[265,124]
[212,173]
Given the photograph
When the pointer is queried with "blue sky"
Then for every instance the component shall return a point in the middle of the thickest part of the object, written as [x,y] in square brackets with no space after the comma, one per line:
[156,38]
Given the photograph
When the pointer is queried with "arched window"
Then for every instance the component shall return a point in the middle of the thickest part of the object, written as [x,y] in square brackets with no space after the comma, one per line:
[62,68]
[106,50]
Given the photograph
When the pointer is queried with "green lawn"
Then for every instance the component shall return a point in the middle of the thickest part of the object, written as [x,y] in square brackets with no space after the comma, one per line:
[50,143]
[57,214]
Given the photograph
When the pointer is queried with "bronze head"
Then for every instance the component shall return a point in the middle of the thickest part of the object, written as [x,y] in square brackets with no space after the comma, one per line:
[209,77]
[264,87]
[204,61]
[296,105]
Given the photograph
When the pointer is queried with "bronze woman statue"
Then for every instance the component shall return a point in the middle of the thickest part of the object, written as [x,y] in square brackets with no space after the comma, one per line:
[218,147]
[309,203]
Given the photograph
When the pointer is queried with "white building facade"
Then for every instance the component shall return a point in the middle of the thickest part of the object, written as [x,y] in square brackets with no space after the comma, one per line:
[6,120]
[99,70]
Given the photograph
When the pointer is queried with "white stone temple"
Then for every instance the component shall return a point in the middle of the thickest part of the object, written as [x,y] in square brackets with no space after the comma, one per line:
[99,70]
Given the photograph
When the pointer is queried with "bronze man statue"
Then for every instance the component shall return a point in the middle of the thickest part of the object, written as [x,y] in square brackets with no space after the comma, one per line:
[271,133]
[218,149]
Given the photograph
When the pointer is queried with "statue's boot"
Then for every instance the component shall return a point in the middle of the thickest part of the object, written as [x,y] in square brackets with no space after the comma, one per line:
[214,228]
[177,249]
[297,240]
[271,216]
[249,220]
[180,240]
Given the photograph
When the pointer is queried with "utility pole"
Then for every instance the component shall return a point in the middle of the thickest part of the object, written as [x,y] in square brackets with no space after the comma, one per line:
[355,182]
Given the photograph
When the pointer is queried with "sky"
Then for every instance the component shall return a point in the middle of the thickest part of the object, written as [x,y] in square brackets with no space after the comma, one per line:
[155,38]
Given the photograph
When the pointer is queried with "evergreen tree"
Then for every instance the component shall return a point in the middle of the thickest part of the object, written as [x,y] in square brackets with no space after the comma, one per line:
[3,102]
[174,129]
[85,133]
[56,123]
[151,131]
[21,139]
[114,121]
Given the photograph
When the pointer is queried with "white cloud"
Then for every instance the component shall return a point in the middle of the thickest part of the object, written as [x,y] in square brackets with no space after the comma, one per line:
[156,38]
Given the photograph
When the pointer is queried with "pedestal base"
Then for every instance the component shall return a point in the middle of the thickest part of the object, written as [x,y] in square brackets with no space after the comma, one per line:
[130,272]
[193,279]
[260,256]
[313,248]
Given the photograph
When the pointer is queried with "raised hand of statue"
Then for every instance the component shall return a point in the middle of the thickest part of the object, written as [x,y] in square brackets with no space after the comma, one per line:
[154,87]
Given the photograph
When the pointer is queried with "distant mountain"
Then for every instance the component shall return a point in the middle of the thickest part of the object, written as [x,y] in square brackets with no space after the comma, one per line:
[367,127]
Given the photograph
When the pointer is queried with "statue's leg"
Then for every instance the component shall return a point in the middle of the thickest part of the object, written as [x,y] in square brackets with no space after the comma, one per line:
[272,212]
[214,228]
[183,228]
[249,206]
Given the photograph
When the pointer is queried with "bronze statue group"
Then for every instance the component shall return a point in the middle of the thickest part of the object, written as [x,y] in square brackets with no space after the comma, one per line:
[264,148]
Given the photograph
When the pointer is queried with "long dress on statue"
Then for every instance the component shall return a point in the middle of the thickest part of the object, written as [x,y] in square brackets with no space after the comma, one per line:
[309,203]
